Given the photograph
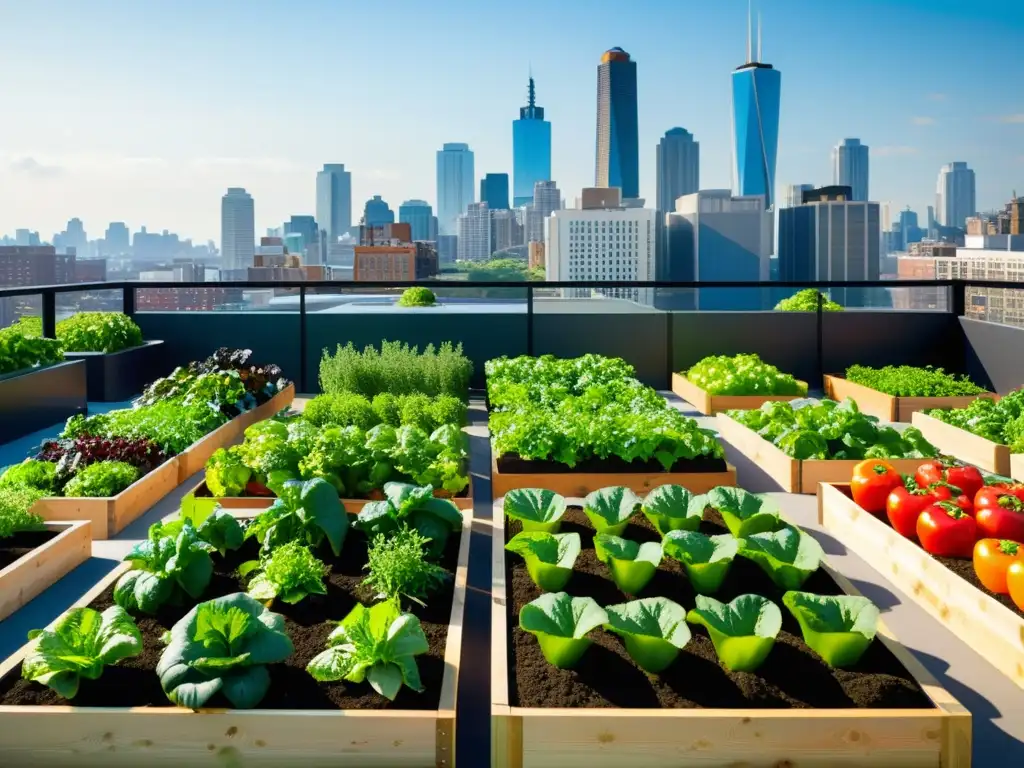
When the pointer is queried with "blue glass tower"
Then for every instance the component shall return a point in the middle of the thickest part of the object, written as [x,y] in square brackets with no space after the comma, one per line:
[494,191]
[756,95]
[531,150]
[377,213]
[618,140]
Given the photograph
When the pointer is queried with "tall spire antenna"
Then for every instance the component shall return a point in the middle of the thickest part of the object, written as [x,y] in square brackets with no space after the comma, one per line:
[533,100]
[748,33]
[759,37]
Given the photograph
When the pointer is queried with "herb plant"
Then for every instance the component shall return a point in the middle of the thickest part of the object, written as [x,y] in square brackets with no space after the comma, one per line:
[98,332]
[378,644]
[673,508]
[417,296]
[743,631]
[164,569]
[288,573]
[223,646]
[398,567]
[549,557]
[105,478]
[1001,421]
[561,624]
[82,642]
[838,628]
[537,509]
[654,630]
[345,409]
[743,375]
[632,565]
[16,515]
[807,301]
[706,558]
[909,381]
[397,368]
[789,556]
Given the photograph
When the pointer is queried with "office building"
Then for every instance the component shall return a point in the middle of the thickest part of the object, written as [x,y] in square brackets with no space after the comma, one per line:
[793,194]
[678,167]
[474,231]
[618,141]
[756,95]
[455,179]
[420,217]
[116,240]
[531,149]
[850,167]
[506,231]
[546,200]
[307,232]
[334,200]
[237,229]
[294,244]
[494,191]
[386,252]
[447,248]
[377,212]
[713,236]
[955,201]
[26,237]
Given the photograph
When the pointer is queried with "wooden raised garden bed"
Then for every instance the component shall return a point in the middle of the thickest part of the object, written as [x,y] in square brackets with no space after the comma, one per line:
[38,398]
[194,459]
[793,711]
[580,481]
[1017,466]
[964,445]
[53,734]
[946,588]
[709,404]
[794,475]
[51,555]
[117,376]
[890,407]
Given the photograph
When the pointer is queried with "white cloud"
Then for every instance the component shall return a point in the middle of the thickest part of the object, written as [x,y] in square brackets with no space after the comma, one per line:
[923,120]
[895,151]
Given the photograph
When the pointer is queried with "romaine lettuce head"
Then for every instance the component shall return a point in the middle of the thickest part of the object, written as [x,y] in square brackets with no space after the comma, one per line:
[561,624]
[653,629]
[838,628]
[609,509]
[789,556]
[535,508]
[549,556]
[673,508]
[743,631]
[744,513]
[706,558]
[632,564]
[226,472]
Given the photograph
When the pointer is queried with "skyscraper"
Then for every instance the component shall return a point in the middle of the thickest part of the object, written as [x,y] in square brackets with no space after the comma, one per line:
[334,201]
[420,217]
[117,240]
[850,168]
[618,148]
[474,230]
[546,200]
[756,93]
[377,212]
[793,194]
[678,161]
[494,191]
[455,175]
[955,199]
[531,150]
[237,229]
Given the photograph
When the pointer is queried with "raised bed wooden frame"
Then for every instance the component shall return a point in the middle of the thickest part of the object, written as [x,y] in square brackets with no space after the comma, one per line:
[226,738]
[45,565]
[991,629]
[1017,466]
[709,404]
[524,737]
[794,475]
[964,445]
[891,407]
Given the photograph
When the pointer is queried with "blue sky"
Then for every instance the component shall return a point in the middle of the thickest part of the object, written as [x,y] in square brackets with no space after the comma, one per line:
[147,110]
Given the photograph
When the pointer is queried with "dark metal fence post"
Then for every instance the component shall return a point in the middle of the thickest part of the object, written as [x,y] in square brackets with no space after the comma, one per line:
[820,343]
[958,300]
[50,314]
[128,299]
[302,340]
[529,320]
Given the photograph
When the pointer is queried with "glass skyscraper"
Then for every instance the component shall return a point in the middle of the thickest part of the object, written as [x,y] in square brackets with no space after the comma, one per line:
[531,150]
[334,200]
[454,186]
[618,142]
[756,94]
[377,212]
[494,191]
[420,217]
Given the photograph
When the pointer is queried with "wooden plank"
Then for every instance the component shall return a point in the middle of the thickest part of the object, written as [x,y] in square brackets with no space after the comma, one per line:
[44,566]
[964,445]
[1017,466]
[908,406]
[709,404]
[815,471]
[870,401]
[129,737]
[582,483]
[987,626]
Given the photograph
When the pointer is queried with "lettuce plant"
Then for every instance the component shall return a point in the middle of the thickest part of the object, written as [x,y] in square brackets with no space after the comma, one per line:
[549,556]
[705,558]
[308,512]
[561,624]
[744,513]
[742,375]
[789,556]
[743,631]
[81,643]
[609,509]
[102,479]
[399,568]
[654,630]
[213,525]
[41,475]
[226,472]
[535,508]
[837,628]
[289,573]
[223,646]
[16,515]
[164,569]
[378,644]
[632,564]
[673,508]
[416,507]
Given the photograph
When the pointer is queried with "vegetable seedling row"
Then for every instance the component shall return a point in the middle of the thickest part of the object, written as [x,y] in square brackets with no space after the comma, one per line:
[709,404]
[966,446]
[891,407]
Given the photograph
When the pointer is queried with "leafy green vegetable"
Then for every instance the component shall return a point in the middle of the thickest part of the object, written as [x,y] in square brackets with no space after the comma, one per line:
[705,558]
[561,624]
[549,556]
[16,515]
[213,525]
[97,332]
[415,506]
[398,567]
[910,381]
[838,628]
[41,475]
[20,351]
[397,368]
[102,479]
[82,642]
[165,568]
[609,509]
[789,556]
[172,424]
[307,512]
[742,375]
[226,472]
[417,296]
[743,631]
[1001,421]
[288,573]
[377,644]
[536,509]
[654,630]
[673,508]
[744,513]
[223,646]
[807,301]
[632,564]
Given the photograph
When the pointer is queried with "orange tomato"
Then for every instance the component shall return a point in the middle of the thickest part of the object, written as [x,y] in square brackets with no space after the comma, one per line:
[992,561]
[1015,583]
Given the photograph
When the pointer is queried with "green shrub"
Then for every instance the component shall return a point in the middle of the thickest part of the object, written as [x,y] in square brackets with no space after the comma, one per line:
[388,408]
[19,351]
[40,475]
[398,369]
[15,510]
[416,411]
[98,332]
[417,296]
[449,410]
[807,301]
[908,381]
[318,410]
[104,478]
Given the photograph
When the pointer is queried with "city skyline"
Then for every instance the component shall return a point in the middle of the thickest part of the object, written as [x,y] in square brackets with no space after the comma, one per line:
[158,143]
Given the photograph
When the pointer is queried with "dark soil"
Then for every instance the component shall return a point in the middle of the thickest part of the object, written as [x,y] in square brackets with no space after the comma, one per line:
[133,682]
[792,677]
[511,464]
[15,547]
